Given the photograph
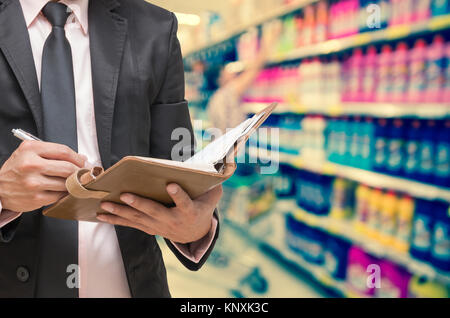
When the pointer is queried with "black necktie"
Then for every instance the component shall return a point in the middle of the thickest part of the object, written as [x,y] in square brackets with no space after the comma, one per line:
[58,238]
[57,83]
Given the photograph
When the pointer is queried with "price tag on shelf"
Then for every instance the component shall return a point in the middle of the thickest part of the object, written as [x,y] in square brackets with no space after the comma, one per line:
[439,23]
[329,169]
[397,32]
[335,110]
[362,39]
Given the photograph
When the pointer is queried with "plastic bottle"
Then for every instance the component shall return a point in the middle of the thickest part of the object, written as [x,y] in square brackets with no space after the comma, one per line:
[400,73]
[440,7]
[395,159]
[394,281]
[354,145]
[320,34]
[370,80]
[388,217]
[423,224]
[374,217]
[435,69]
[362,209]
[440,251]
[381,141]
[284,183]
[355,76]
[309,25]
[427,152]
[421,10]
[442,157]
[446,93]
[367,144]
[404,223]
[384,88]
[417,75]
[336,257]
[412,146]
[342,199]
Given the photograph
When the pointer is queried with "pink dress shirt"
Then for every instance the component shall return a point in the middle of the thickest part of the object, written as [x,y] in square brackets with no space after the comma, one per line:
[101,268]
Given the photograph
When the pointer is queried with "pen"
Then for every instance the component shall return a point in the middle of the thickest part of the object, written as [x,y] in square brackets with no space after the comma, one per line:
[23,135]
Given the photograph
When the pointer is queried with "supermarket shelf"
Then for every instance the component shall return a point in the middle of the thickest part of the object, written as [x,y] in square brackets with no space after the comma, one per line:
[373,179]
[366,38]
[346,230]
[258,21]
[282,252]
[381,110]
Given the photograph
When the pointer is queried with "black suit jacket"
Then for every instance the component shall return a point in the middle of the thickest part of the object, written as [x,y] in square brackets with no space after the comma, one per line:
[138,84]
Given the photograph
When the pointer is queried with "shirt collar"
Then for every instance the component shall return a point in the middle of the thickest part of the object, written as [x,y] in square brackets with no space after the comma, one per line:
[32,8]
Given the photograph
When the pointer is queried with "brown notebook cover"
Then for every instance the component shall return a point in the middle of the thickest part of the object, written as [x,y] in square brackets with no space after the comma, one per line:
[88,188]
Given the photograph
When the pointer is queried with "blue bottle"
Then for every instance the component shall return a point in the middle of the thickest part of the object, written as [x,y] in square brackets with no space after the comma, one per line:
[354,142]
[412,145]
[284,182]
[440,251]
[440,7]
[423,224]
[367,144]
[294,234]
[395,156]
[427,152]
[341,138]
[331,140]
[442,158]
[322,198]
[380,145]
[314,246]
[335,257]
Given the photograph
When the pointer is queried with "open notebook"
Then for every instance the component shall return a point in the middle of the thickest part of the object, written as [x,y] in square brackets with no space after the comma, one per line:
[210,157]
[149,177]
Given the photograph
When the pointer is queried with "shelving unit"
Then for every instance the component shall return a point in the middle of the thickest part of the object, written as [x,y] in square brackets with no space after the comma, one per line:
[296,5]
[363,39]
[370,178]
[345,229]
[380,110]
[280,251]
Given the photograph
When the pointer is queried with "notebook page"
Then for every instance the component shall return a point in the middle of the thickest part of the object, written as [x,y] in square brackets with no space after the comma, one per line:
[219,148]
[195,166]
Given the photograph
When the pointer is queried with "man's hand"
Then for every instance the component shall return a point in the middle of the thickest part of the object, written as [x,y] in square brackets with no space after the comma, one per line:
[35,175]
[188,221]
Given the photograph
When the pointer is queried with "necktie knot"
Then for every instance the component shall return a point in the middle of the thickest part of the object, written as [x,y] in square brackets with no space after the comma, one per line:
[56,13]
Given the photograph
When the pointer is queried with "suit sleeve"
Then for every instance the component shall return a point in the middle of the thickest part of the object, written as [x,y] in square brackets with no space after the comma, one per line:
[170,113]
[8,221]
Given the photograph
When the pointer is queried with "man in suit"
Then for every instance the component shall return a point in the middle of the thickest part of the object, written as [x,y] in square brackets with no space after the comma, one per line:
[97,80]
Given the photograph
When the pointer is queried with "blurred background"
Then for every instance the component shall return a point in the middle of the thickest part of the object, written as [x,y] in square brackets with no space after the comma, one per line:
[363,145]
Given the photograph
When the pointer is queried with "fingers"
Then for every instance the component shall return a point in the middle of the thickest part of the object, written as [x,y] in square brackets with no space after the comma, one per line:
[126,216]
[117,220]
[50,197]
[53,184]
[212,196]
[147,206]
[55,168]
[54,151]
[180,197]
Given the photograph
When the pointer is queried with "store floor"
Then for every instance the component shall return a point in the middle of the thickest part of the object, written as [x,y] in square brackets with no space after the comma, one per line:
[237,268]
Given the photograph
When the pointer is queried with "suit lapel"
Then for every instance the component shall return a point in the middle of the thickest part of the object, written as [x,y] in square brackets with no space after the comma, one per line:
[16,47]
[107,32]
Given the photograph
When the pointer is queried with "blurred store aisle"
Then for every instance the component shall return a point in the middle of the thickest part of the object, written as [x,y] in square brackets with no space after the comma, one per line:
[237,269]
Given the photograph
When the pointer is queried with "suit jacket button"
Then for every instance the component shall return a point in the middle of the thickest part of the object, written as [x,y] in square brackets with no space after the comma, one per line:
[22,274]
